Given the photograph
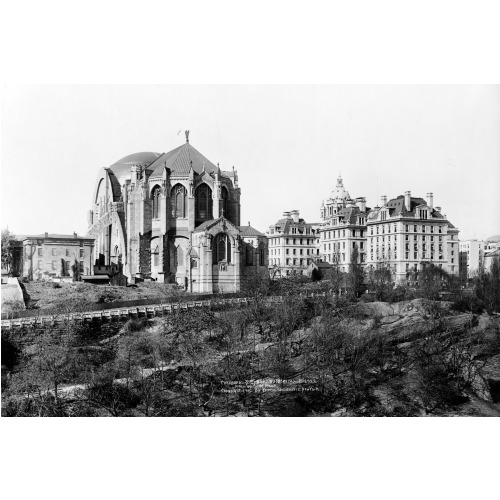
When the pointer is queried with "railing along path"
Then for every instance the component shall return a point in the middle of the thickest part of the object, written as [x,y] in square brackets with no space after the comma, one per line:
[131,312]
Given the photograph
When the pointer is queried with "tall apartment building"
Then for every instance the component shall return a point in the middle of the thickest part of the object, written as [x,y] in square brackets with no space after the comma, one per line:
[406,233]
[343,228]
[293,245]
[471,257]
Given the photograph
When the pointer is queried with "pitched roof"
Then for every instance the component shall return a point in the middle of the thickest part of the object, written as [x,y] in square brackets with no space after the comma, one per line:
[180,159]
[209,223]
[249,231]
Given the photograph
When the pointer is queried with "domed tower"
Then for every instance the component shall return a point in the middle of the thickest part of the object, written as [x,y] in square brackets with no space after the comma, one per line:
[339,199]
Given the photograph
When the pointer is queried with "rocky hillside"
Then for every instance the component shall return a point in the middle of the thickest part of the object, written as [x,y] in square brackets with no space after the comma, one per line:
[303,357]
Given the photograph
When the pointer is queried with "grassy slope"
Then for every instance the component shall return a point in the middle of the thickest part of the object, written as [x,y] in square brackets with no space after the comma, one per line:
[43,295]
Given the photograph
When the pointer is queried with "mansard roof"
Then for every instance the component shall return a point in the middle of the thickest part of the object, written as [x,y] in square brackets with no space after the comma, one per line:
[249,231]
[286,224]
[349,214]
[397,207]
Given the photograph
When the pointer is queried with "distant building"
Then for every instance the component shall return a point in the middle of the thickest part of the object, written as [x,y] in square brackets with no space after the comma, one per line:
[321,267]
[254,252]
[293,245]
[471,257]
[47,256]
[343,228]
[492,243]
[490,257]
[406,233]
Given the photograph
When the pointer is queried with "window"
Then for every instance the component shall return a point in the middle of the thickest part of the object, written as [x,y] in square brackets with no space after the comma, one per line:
[249,255]
[54,251]
[155,195]
[224,202]
[82,253]
[262,257]
[54,265]
[40,253]
[81,268]
[39,264]
[415,228]
[221,248]
[203,202]
[156,256]
[67,252]
[178,197]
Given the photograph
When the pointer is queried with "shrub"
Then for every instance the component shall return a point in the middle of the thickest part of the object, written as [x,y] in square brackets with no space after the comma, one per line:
[134,325]
[469,304]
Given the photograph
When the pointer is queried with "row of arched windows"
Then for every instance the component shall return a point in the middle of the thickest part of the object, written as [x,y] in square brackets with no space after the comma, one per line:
[203,202]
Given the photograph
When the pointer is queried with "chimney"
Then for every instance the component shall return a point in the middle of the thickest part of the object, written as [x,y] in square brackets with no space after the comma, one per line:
[286,215]
[408,200]
[295,215]
[248,222]
[361,202]
[438,209]
[46,235]
[430,199]
[75,235]
[383,200]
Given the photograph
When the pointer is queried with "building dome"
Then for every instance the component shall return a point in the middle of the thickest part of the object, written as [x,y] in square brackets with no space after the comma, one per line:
[121,168]
[340,192]
[138,159]
[494,239]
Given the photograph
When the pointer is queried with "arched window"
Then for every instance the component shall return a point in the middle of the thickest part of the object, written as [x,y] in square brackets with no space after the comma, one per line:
[249,255]
[155,195]
[224,202]
[203,201]
[221,248]
[156,256]
[178,254]
[178,196]
[262,257]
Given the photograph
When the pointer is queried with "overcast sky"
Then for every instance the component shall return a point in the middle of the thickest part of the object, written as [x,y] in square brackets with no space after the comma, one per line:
[288,143]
